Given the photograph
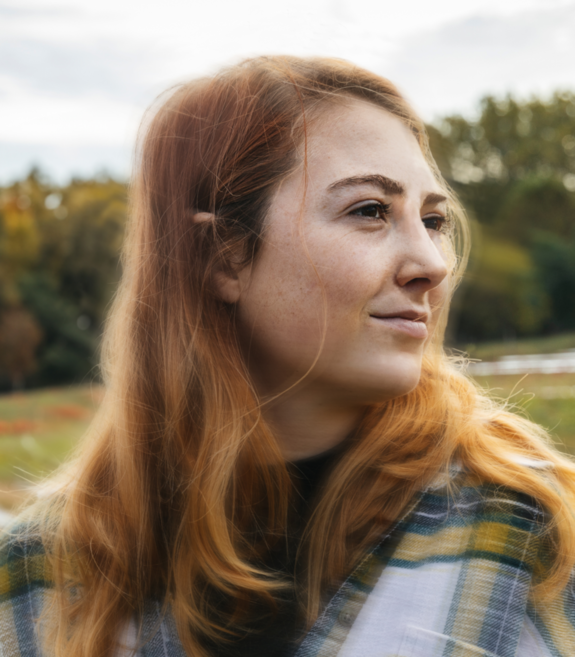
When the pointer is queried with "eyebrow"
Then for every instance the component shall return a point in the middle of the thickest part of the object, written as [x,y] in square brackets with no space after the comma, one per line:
[388,185]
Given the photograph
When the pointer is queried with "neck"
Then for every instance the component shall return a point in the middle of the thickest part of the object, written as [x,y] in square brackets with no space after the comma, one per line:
[305,424]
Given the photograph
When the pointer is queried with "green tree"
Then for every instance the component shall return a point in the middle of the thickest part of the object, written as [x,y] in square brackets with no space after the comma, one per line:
[59,249]
[20,334]
[502,296]
[555,258]
[514,169]
[536,204]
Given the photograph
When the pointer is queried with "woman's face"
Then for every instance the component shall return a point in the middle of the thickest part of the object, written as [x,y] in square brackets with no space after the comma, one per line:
[351,273]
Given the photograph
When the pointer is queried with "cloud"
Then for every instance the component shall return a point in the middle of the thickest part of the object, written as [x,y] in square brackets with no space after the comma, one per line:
[59,162]
[450,68]
[94,68]
[80,75]
[12,11]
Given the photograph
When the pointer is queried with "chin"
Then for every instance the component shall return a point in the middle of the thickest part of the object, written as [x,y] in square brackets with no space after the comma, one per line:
[375,385]
[394,387]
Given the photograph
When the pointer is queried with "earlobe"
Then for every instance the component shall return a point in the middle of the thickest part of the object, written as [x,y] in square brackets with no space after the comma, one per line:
[227,286]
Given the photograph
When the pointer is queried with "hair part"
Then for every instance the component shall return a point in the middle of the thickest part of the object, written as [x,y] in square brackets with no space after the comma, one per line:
[179,488]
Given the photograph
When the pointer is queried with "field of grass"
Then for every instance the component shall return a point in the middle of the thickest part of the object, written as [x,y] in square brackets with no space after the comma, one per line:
[489,351]
[38,429]
[548,399]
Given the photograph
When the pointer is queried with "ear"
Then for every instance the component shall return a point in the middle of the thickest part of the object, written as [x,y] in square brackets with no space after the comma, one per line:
[227,285]
[226,281]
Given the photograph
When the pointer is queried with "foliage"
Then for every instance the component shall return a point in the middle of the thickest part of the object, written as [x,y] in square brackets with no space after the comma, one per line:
[555,258]
[503,294]
[19,337]
[514,169]
[59,260]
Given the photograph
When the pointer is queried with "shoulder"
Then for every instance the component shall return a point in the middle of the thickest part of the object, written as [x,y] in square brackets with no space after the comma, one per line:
[24,580]
[23,561]
[464,519]
[466,499]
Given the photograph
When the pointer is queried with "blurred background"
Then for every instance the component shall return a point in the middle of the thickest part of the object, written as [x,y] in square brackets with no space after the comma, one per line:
[495,83]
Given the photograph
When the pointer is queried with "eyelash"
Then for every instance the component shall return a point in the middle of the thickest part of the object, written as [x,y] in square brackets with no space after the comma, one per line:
[384,208]
[443,222]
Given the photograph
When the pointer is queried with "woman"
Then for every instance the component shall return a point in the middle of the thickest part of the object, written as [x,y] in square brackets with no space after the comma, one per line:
[286,462]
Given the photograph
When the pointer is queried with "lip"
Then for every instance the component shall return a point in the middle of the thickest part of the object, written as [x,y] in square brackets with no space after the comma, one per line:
[410,322]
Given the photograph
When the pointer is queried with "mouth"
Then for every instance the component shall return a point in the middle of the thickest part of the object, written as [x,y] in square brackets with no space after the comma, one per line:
[410,322]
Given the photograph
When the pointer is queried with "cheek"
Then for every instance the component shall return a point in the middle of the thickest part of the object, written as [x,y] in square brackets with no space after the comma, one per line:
[351,275]
[297,288]
[281,302]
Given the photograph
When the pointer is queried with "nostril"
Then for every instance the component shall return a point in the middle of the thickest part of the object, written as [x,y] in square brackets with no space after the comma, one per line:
[419,282]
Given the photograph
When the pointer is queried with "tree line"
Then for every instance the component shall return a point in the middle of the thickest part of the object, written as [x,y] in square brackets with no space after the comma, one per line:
[513,167]
[59,266]
[514,170]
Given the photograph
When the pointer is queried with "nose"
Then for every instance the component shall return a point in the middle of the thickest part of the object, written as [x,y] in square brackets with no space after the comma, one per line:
[422,265]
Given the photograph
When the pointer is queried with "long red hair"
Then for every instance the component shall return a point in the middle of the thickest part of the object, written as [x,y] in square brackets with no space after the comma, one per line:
[179,487]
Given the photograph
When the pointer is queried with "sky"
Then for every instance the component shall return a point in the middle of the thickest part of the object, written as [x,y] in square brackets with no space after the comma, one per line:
[76,75]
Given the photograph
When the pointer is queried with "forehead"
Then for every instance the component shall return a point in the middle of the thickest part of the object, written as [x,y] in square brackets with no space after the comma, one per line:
[358,138]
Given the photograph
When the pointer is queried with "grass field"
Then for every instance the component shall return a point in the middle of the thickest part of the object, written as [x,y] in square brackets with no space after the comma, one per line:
[488,351]
[548,399]
[38,429]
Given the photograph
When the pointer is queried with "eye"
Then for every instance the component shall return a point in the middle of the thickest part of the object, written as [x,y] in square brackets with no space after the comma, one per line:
[435,222]
[373,210]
